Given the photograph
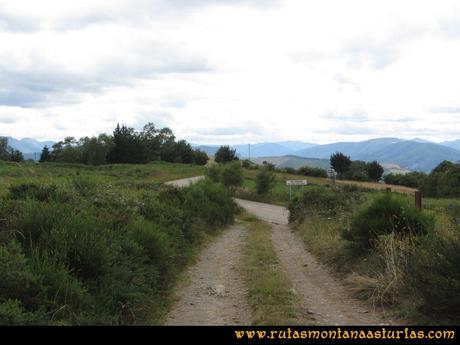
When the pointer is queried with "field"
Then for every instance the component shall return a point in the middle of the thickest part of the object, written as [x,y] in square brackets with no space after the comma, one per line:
[279,194]
[125,176]
[99,245]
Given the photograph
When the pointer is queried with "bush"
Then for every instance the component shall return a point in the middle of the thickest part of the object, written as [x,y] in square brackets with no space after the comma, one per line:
[214,173]
[84,185]
[313,172]
[225,154]
[435,274]
[210,202]
[321,201]
[12,313]
[385,215]
[232,174]
[37,192]
[264,181]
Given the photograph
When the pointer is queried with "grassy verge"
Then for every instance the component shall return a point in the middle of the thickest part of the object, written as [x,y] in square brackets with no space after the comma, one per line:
[120,176]
[91,249]
[280,195]
[410,272]
[270,295]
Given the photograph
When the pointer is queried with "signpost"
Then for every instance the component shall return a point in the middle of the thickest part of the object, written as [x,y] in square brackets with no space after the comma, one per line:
[291,183]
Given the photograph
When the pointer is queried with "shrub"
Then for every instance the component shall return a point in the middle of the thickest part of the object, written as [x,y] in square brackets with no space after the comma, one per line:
[232,174]
[12,313]
[84,185]
[321,201]
[155,243]
[435,274]
[210,202]
[264,181]
[289,170]
[386,214]
[214,173]
[37,192]
[225,154]
[313,172]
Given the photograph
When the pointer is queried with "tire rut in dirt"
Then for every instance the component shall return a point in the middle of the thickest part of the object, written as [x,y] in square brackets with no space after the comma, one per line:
[216,293]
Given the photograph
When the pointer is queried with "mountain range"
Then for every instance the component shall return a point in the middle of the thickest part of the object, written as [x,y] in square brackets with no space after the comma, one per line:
[30,148]
[416,154]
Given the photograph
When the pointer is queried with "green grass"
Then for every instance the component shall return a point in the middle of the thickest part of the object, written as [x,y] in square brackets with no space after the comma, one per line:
[120,176]
[280,194]
[270,296]
[99,246]
[409,275]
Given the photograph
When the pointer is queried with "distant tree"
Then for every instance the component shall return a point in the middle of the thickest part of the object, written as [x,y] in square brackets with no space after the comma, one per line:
[127,146]
[264,181]
[9,154]
[225,154]
[374,171]
[152,141]
[4,149]
[16,156]
[340,163]
[201,157]
[314,172]
[94,150]
[45,155]
[184,152]
[357,171]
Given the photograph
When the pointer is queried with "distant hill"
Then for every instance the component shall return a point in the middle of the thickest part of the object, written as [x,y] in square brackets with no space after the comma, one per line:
[294,162]
[455,144]
[29,147]
[261,149]
[408,154]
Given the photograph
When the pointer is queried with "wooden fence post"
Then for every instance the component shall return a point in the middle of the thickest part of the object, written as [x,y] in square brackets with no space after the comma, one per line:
[418,199]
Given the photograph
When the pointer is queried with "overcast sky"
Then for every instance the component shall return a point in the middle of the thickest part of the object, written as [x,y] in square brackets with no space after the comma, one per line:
[231,71]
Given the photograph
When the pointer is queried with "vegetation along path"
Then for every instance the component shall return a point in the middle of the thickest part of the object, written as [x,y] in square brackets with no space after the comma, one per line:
[216,293]
[321,295]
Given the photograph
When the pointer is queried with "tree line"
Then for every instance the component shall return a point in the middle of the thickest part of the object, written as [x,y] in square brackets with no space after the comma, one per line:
[125,145]
[355,170]
[7,153]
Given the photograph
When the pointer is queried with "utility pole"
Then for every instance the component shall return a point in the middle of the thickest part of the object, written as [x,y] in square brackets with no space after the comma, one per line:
[249,152]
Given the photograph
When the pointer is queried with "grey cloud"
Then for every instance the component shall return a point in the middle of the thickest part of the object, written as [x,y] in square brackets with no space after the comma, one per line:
[356,115]
[446,109]
[8,119]
[134,11]
[353,130]
[370,52]
[44,82]
[232,131]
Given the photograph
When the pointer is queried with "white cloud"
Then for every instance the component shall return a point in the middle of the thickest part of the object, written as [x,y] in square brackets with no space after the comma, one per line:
[231,71]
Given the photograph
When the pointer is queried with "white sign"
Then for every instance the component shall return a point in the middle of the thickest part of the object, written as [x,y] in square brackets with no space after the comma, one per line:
[296,183]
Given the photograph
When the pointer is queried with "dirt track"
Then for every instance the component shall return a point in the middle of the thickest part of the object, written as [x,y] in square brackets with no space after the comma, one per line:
[216,294]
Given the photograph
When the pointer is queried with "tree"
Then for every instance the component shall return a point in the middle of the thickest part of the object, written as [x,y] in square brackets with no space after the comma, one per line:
[340,163]
[4,149]
[357,171]
[201,157]
[16,156]
[264,181]
[374,171]
[9,154]
[127,146]
[225,154]
[45,155]
[232,174]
